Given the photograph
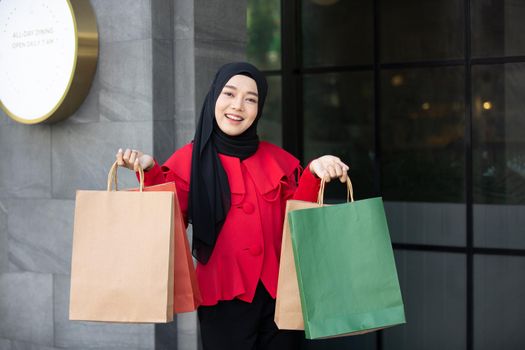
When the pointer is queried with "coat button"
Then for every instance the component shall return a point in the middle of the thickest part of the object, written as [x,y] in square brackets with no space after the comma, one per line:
[255,250]
[248,208]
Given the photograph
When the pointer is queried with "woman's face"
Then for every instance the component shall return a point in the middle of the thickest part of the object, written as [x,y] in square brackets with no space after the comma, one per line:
[236,106]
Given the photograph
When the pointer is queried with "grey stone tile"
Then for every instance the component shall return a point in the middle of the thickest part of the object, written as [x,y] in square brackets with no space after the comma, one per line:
[5,344]
[161,19]
[105,347]
[185,75]
[166,336]
[163,80]
[186,111]
[183,19]
[230,26]
[18,345]
[209,57]
[4,247]
[126,81]
[40,235]
[26,307]
[4,119]
[82,154]
[163,136]
[187,331]
[123,20]
[88,112]
[184,128]
[95,335]
[25,157]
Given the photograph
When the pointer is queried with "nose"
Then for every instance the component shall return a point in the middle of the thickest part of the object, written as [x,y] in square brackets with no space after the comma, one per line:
[237,103]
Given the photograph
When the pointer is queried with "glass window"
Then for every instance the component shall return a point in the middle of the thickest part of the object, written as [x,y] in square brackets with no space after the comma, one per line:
[422,140]
[426,223]
[422,134]
[497,28]
[264,34]
[433,286]
[413,30]
[270,125]
[338,120]
[337,32]
[498,136]
[366,341]
[499,289]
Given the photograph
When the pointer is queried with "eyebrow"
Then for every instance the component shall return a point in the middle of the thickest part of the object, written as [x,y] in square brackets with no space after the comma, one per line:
[249,92]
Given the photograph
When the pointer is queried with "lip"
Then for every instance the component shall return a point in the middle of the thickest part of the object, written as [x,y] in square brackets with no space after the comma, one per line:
[234,115]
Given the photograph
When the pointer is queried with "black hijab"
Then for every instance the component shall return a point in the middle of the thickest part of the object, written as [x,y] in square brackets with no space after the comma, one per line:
[209,197]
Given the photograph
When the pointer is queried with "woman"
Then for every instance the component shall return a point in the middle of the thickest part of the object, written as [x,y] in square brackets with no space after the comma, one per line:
[233,189]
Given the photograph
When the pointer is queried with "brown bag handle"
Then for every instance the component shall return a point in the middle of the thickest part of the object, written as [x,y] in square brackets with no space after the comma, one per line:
[112,177]
[349,192]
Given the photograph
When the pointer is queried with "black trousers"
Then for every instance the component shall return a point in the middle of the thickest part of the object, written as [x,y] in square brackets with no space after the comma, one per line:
[238,325]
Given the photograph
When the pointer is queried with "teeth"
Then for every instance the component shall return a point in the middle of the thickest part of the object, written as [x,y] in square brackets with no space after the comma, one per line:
[233,117]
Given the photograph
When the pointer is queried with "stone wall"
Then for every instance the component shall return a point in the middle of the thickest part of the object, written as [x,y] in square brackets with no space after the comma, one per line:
[156,61]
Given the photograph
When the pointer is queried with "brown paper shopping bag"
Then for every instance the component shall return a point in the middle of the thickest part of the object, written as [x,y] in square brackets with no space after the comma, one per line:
[288,312]
[122,262]
[186,294]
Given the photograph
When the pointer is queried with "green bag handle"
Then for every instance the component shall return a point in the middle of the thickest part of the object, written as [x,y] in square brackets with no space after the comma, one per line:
[349,192]
[112,177]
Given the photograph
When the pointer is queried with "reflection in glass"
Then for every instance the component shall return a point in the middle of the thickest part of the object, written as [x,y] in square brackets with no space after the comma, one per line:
[498,138]
[497,28]
[499,289]
[413,30]
[499,133]
[264,34]
[422,128]
[433,286]
[270,125]
[337,32]
[338,120]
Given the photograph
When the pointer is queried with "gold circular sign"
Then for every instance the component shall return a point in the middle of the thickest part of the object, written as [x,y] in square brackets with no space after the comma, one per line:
[48,57]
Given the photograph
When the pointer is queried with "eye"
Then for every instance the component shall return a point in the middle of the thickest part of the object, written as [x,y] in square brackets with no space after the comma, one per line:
[227,93]
[252,100]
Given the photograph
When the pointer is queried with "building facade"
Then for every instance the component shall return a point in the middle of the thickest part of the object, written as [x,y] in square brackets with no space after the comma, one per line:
[424,99]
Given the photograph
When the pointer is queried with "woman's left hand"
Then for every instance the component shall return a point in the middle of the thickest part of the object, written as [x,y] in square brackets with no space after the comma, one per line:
[329,167]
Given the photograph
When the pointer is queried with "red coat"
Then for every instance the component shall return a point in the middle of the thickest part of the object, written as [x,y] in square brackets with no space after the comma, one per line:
[248,247]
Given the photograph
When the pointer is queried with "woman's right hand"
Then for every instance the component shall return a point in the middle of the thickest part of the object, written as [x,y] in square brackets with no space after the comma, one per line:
[131,159]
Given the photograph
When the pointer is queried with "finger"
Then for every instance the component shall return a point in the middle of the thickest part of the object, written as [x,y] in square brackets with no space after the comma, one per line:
[344,166]
[317,170]
[136,165]
[120,162]
[127,154]
[331,171]
[320,173]
[338,170]
[327,177]
[344,177]
[133,157]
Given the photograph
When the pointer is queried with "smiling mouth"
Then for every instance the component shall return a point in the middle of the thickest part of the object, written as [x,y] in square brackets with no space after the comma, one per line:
[234,117]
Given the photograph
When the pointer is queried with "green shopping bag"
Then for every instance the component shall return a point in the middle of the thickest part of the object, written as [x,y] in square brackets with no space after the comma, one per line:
[345,268]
